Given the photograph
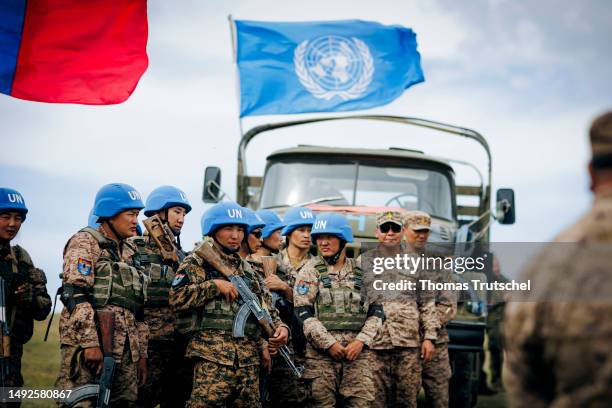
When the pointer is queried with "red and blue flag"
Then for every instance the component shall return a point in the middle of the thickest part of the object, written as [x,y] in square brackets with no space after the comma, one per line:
[72,51]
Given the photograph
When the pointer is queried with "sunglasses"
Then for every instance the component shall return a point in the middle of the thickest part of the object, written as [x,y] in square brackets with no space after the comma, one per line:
[390,226]
[256,233]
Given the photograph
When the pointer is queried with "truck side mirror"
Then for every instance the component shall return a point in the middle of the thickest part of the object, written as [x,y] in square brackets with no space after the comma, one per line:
[505,211]
[212,185]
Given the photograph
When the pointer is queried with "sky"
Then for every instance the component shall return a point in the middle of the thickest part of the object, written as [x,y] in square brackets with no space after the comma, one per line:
[529,75]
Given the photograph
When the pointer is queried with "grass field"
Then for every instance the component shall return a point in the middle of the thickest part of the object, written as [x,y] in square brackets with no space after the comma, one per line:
[41,365]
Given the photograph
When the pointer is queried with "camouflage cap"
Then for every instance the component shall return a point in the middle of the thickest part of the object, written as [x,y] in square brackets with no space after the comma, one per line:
[601,141]
[418,220]
[384,217]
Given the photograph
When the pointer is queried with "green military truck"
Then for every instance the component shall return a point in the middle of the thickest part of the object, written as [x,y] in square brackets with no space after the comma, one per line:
[359,182]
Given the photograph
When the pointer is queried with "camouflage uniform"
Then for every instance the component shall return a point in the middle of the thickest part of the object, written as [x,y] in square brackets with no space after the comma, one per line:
[396,348]
[283,388]
[84,259]
[226,368]
[558,349]
[437,371]
[16,267]
[169,372]
[335,315]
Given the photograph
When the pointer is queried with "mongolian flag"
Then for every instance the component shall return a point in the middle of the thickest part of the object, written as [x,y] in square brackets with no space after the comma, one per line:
[72,51]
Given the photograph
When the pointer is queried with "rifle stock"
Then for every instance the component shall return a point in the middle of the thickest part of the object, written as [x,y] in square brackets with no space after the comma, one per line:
[106,324]
[163,237]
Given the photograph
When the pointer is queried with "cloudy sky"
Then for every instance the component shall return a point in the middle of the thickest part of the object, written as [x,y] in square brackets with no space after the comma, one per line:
[528,75]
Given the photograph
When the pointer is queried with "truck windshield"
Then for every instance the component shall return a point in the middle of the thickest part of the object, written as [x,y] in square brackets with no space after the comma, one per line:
[288,184]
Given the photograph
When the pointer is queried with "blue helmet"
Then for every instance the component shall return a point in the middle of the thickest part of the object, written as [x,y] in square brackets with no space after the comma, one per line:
[165,197]
[297,217]
[12,200]
[332,224]
[114,198]
[253,220]
[92,220]
[221,214]
[273,222]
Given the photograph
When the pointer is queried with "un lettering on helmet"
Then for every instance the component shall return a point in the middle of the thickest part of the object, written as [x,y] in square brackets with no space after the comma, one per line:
[234,213]
[134,195]
[306,214]
[15,198]
[320,224]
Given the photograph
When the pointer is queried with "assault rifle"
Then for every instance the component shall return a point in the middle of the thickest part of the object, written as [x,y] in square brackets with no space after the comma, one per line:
[163,236]
[250,304]
[106,322]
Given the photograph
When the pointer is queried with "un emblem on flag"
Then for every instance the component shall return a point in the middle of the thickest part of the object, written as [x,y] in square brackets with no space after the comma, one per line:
[334,66]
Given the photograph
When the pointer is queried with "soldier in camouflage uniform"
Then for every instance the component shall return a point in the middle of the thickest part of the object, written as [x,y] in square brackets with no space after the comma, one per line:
[397,349]
[93,260]
[437,371]
[226,368]
[558,349]
[336,319]
[25,290]
[283,388]
[169,372]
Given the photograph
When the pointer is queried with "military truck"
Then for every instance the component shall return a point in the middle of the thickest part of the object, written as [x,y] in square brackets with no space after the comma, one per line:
[360,182]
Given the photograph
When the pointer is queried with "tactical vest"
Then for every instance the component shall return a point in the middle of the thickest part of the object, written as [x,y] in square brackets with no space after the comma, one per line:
[218,314]
[116,282]
[160,275]
[340,308]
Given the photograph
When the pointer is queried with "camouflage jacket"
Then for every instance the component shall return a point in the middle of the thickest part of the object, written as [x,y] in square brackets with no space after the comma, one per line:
[161,321]
[558,348]
[446,306]
[193,289]
[410,315]
[306,293]
[287,271]
[17,269]
[79,328]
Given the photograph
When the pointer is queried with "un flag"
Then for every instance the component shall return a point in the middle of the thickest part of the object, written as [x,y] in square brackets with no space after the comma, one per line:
[323,66]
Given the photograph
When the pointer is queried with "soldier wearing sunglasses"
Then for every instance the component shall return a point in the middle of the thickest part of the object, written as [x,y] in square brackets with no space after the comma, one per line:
[397,348]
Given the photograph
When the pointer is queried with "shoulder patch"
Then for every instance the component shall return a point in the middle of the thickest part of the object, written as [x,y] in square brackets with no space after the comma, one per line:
[181,279]
[302,287]
[84,266]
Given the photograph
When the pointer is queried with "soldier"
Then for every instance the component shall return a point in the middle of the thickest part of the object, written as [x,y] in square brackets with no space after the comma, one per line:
[96,260]
[437,371]
[337,323]
[397,349]
[271,238]
[169,372]
[24,284]
[252,238]
[226,368]
[558,349]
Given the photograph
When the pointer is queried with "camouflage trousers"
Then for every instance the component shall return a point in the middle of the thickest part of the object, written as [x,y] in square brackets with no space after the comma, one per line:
[217,385]
[284,390]
[73,373]
[334,383]
[169,376]
[435,376]
[14,378]
[397,377]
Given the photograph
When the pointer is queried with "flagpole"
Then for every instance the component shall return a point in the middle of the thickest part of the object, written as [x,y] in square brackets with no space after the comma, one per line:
[236,71]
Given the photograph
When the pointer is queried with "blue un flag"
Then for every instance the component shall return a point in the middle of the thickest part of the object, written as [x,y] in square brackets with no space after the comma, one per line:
[323,66]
